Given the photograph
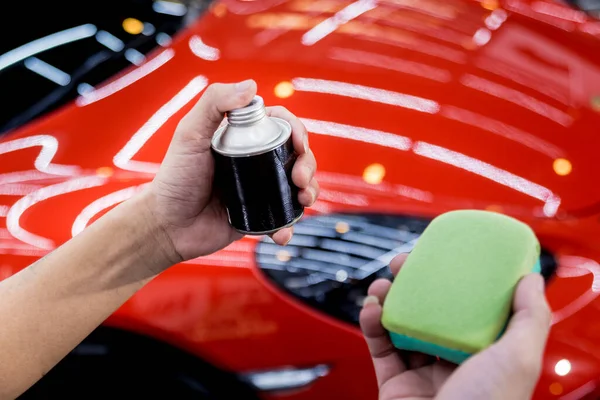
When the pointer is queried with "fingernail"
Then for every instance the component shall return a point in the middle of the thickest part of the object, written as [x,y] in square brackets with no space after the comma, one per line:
[243,86]
[370,300]
[305,142]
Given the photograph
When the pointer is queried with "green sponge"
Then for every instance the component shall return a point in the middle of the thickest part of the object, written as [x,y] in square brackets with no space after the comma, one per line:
[453,295]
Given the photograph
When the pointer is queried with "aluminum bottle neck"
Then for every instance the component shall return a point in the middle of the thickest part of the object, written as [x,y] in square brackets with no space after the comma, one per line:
[249,115]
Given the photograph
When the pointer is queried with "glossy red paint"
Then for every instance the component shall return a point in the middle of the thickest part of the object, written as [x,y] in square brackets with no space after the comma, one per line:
[464,104]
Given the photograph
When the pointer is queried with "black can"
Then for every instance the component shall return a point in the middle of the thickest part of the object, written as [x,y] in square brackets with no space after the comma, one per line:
[254,157]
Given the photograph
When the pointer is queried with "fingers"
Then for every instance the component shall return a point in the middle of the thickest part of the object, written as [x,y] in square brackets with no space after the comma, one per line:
[397,263]
[204,119]
[526,334]
[308,196]
[299,132]
[386,361]
[283,236]
[304,169]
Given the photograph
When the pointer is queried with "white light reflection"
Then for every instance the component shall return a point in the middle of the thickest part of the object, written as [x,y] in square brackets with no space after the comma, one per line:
[85,88]
[42,163]
[390,63]
[169,8]
[109,40]
[489,171]
[126,80]
[518,98]
[482,36]
[45,193]
[562,367]
[149,29]
[163,39]
[350,132]
[47,71]
[202,50]
[22,176]
[342,17]
[559,11]
[4,211]
[496,19]
[502,129]
[123,158]
[46,43]
[135,57]
[17,189]
[366,93]
[101,204]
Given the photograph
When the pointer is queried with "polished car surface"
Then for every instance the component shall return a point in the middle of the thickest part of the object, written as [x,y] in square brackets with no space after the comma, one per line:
[413,108]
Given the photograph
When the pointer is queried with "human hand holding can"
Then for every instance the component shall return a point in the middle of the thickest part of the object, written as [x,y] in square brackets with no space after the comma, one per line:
[254,159]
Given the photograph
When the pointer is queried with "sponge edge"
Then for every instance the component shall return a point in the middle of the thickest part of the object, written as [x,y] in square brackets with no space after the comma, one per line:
[453,295]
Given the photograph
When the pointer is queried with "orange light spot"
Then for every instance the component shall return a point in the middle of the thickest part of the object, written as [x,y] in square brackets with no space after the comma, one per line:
[562,166]
[342,227]
[495,208]
[283,90]
[283,256]
[555,388]
[104,171]
[374,174]
[133,26]
[219,10]
[489,4]
[596,103]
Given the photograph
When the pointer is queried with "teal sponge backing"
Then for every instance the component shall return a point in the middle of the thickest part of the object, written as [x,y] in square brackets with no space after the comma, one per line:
[453,296]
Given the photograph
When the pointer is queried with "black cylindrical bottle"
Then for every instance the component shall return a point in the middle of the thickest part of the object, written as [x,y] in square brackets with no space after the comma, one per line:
[254,157]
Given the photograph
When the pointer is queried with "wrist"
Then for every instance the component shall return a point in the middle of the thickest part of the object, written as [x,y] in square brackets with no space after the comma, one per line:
[155,247]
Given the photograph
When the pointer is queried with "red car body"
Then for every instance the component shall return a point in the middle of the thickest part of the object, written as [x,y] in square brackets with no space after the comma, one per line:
[414,108]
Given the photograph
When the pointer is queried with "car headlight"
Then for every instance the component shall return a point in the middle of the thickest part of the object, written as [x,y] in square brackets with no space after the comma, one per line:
[332,259]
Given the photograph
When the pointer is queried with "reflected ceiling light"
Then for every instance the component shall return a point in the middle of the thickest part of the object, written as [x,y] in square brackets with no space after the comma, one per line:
[283,90]
[105,171]
[562,367]
[109,40]
[342,17]
[358,134]
[133,26]
[163,39]
[48,71]
[89,97]
[342,227]
[562,166]
[555,389]
[85,216]
[169,8]
[123,159]
[366,93]
[202,50]
[482,36]
[46,43]
[134,57]
[374,174]
[13,223]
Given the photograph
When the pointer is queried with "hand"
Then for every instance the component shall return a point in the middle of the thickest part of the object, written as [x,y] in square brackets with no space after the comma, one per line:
[181,197]
[508,369]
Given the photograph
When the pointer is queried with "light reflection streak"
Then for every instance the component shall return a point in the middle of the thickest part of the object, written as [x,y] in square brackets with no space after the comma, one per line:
[334,196]
[558,11]
[490,172]
[123,158]
[85,216]
[19,189]
[126,80]
[42,163]
[202,50]
[518,98]
[350,132]
[366,93]
[18,208]
[503,130]
[4,210]
[342,17]
[46,43]
[47,71]
[390,63]
[524,9]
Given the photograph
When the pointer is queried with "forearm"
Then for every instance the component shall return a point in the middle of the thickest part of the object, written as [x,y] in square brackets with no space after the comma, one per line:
[49,307]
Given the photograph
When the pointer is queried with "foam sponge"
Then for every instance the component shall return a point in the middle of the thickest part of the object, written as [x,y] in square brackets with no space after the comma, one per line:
[453,295]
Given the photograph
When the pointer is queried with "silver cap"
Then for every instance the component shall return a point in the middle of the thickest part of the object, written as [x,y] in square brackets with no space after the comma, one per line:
[249,131]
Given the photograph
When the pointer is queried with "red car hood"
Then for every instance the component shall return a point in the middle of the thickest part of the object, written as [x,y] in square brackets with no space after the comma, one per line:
[413,107]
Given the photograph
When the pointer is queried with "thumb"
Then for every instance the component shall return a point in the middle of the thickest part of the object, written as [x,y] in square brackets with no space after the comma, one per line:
[204,118]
